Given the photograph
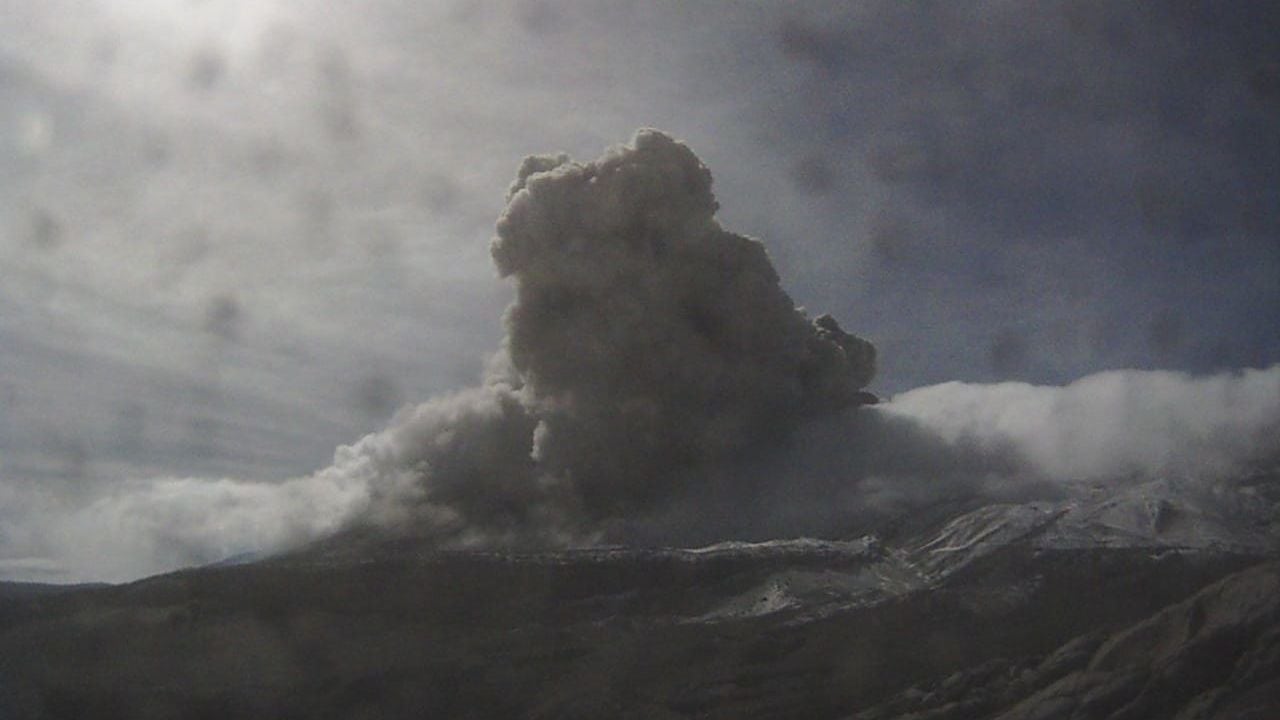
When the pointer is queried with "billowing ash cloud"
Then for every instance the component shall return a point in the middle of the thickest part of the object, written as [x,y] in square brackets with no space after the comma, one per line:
[656,385]
[645,339]
[647,346]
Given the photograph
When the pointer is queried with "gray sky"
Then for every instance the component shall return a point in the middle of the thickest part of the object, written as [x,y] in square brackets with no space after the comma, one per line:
[235,234]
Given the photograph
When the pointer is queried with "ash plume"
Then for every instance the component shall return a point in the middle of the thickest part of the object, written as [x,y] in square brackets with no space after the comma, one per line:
[657,386]
[645,338]
[647,346]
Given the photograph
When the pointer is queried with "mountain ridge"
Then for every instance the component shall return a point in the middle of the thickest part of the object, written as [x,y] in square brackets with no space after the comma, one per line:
[981,613]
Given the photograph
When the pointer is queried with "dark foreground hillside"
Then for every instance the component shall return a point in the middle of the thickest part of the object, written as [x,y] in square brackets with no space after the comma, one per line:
[783,630]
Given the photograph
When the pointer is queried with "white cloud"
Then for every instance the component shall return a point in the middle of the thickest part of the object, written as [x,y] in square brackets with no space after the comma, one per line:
[449,467]
[1112,423]
[145,527]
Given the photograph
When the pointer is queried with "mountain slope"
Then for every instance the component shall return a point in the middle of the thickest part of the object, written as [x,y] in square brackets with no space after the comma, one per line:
[987,613]
[1215,655]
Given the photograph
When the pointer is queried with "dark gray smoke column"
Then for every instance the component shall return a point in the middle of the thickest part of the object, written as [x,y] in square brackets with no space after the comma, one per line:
[647,342]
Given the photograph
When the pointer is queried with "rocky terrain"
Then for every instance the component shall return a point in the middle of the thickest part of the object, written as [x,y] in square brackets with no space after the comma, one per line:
[1159,600]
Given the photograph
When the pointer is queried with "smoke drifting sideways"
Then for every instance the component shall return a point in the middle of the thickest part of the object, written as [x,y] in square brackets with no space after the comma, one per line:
[657,386]
[1112,424]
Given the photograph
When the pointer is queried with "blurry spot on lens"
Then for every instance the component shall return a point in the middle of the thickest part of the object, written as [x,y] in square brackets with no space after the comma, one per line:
[377,397]
[205,70]
[1007,353]
[1164,333]
[223,317]
[813,175]
[45,231]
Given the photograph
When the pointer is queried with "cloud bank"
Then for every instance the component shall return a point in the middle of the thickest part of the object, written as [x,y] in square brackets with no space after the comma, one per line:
[657,385]
[145,527]
[1112,424]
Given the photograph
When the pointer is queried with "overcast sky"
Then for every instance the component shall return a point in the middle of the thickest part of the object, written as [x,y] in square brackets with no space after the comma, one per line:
[235,234]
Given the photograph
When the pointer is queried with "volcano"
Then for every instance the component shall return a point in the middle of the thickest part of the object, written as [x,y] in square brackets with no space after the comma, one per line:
[1159,601]
[674,496]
